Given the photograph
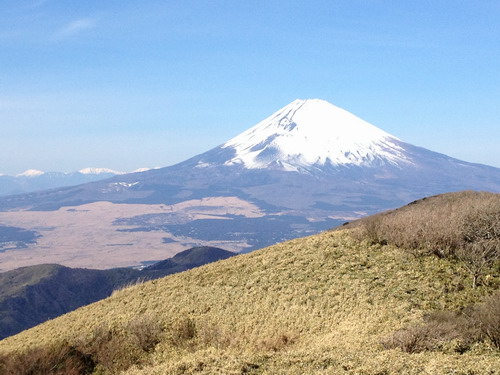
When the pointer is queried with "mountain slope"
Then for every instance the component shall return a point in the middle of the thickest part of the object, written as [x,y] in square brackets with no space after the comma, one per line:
[316,305]
[33,180]
[187,259]
[306,168]
[309,134]
[307,144]
[32,295]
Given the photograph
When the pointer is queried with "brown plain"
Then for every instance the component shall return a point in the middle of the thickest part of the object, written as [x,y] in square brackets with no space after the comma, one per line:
[87,235]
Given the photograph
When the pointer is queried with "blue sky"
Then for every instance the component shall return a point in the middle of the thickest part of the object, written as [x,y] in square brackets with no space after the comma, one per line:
[128,84]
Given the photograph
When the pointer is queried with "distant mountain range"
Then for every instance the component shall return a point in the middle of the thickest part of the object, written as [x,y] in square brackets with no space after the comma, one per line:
[33,179]
[307,167]
[32,295]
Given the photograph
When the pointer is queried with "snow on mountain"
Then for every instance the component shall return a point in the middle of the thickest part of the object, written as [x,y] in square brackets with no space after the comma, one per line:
[312,133]
[142,170]
[31,173]
[99,171]
[33,180]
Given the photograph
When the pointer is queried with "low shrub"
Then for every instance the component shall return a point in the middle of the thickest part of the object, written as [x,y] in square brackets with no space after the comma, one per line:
[464,226]
[477,323]
[486,317]
[107,350]
[276,342]
[112,350]
[182,332]
[212,335]
[60,359]
[421,337]
[146,331]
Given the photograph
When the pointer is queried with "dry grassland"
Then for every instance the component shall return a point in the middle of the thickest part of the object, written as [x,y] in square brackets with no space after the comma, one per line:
[86,236]
[317,305]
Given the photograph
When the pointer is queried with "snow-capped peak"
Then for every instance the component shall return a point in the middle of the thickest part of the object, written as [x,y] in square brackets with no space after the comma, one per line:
[99,171]
[31,173]
[310,133]
[141,170]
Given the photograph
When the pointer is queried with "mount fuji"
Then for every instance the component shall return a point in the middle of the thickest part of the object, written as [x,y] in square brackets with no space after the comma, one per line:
[307,167]
[319,159]
[308,135]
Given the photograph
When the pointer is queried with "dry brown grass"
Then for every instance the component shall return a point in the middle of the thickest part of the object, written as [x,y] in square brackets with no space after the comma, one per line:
[58,359]
[463,226]
[104,350]
[317,305]
[88,236]
[475,324]
[421,337]
[440,330]
[486,317]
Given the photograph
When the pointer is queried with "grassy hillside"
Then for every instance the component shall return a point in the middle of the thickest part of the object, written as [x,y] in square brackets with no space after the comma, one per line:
[326,304]
[463,226]
[32,295]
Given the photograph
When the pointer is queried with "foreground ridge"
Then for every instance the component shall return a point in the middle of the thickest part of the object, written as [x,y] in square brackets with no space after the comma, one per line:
[321,304]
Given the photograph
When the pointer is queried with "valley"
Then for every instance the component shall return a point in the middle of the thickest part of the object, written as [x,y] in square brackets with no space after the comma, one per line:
[34,294]
[105,235]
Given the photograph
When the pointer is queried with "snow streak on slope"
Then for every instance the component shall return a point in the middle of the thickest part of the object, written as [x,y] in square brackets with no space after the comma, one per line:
[313,133]
[99,171]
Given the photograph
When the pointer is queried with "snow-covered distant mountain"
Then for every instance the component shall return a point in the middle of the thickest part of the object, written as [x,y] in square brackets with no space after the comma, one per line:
[33,179]
[305,168]
[98,171]
[30,173]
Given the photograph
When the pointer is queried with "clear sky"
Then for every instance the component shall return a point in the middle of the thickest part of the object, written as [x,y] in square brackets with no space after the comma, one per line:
[126,84]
